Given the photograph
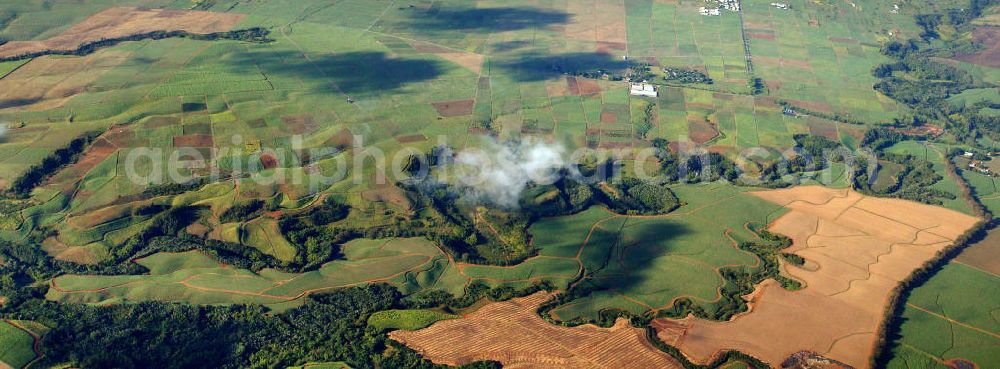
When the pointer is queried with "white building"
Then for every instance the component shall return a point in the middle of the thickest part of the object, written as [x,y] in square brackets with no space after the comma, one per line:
[644,89]
[709,11]
[783,5]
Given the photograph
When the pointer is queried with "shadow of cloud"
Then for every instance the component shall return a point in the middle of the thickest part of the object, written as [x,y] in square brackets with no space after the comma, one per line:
[485,20]
[18,102]
[531,67]
[361,73]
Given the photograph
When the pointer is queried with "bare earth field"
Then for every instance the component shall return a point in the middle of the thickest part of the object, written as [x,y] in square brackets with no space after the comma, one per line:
[512,333]
[985,255]
[49,82]
[857,250]
[124,21]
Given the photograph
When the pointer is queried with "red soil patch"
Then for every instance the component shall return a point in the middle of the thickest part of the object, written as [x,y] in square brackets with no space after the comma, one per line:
[755,25]
[802,64]
[390,195]
[822,127]
[455,108]
[341,140]
[843,40]
[989,54]
[984,254]
[609,117]
[960,364]
[573,85]
[760,36]
[268,160]
[102,148]
[607,47]
[124,21]
[512,333]
[811,105]
[588,87]
[300,124]
[558,88]
[196,140]
[701,131]
[411,138]
[767,102]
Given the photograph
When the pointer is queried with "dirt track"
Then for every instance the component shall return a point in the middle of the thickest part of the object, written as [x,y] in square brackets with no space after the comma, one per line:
[857,250]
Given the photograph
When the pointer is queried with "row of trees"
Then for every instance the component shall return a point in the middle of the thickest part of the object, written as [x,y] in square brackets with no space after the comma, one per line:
[255,34]
[22,186]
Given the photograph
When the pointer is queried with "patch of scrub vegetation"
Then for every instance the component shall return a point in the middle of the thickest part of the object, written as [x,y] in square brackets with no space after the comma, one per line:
[408,320]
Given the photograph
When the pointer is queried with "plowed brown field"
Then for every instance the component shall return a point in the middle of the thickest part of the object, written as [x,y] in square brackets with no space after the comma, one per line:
[124,21]
[857,250]
[512,333]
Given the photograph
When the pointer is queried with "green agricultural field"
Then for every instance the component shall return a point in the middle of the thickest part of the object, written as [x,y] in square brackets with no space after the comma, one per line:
[951,317]
[627,259]
[16,345]
[622,257]
[240,144]
[412,265]
[409,320]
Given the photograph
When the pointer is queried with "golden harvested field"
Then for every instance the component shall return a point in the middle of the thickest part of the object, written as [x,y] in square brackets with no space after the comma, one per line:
[857,249]
[512,333]
[124,21]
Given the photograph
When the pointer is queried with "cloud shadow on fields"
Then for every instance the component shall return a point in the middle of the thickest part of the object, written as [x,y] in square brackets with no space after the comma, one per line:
[485,20]
[534,66]
[621,256]
[363,72]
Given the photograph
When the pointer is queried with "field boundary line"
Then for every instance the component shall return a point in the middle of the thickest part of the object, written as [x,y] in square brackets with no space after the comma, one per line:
[382,14]
[953,321]
[36,342]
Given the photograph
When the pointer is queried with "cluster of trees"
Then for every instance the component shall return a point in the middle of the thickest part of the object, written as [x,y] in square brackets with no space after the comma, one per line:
[242,212]
[635,196]
[709,167]
[913,182]
[255,34]
[684,75]
[22,186]
[329,327]
[792,109]
[924,84]
[648,117]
